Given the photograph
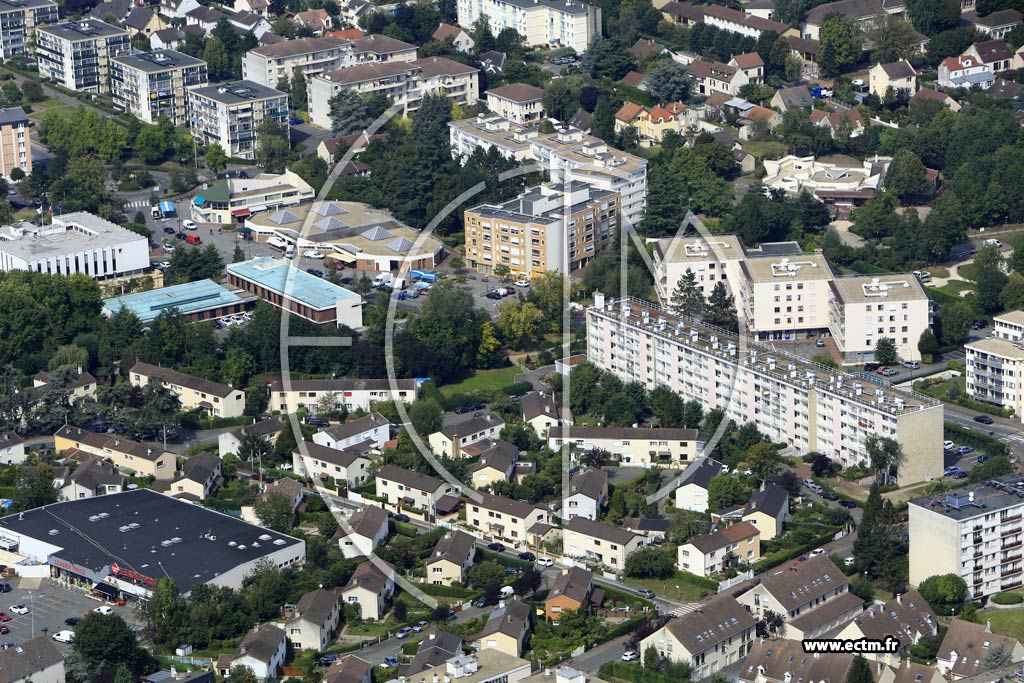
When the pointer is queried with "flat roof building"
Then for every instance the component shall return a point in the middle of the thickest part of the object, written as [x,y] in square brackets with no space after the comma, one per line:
[547,23]
[18,21]
[15,147]
[866,308]
[129,540]
[74,243]
[235,199]
[231,113]
[200,300]
[149,85]
[294,290]
[76,54]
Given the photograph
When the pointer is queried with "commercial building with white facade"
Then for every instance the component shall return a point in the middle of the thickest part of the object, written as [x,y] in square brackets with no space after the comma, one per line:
[74,243]
[791,400]
[548,23]
[76,54]
[18,22]
[711,259]
[995,365]
[866,308]
[973,532]
[231,113]
[149,85]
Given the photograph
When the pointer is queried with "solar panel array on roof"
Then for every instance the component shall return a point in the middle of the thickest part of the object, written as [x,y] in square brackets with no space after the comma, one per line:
[377,233]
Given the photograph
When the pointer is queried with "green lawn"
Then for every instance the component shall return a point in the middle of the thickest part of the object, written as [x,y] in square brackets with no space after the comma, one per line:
[954,287]
[682,586]
[483,380]
[1008,622]
[765,149]
[968,271]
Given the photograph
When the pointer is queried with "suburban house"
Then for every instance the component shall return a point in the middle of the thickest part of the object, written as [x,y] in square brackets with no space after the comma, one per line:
[863,13]
[262,650]
[586,493]
[369,431]
[717,634]
[632,447]
[142,21]
[586,539]
[811,596]
[219,400]
[371,585]
[645,49]
[12,449]
[316,616]
[750,64]
[83,385]
[906,617]
[35,660]
[713,77]
[316,20]
[129,456]
[782,661]
[349,669]
[451,560]
[995,54]
[541,413]
[768,510]
[366,529]
[694,482]
[965,646]
[200,477]
[434,650]
[708,555]
[497,462]
[941,97]
[506,629]
[286,487]
[268,430]
[407,491]
[999,23]
[911,672]
[504,519]
[846,121]
[653,123]
[572,591]
[517,102]
[461,40]
[349,467]
[452,439]
[795,97]
[94,477]
[964,72]
[651,528]
[899,77]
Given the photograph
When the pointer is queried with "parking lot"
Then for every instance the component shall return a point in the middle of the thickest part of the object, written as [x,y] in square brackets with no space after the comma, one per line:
[49,605]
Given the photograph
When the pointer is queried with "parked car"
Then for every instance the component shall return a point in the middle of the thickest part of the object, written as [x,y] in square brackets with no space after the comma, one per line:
[528,556]
[513,571]
[978,325]
[522,283]
[317,422]
[402,517]
[829,495]
[646,593]
[871,367]
[4,616]
[180,235]
[295,121]
[964,450]
[403,632]
[982,458]
[983,419]
[189,225]
[911,364]
[478,406]
[314,272]
[848,562]
[313,254]
[820,343]
[72,621]
[492,295]
[389,662]
[630,656]
[480,602]
[4,630]
[169,230]
[496,547]
[546,562]
[420,625]
[848,504]
[948,445]
[21,609]
[816,552]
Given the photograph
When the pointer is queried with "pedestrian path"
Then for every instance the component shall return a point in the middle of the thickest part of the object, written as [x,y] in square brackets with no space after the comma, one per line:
[684,609]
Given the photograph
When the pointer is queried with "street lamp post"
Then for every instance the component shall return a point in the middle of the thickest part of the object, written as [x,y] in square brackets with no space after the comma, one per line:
[32,611]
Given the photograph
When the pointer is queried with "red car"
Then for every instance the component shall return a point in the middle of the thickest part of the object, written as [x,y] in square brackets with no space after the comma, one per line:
[4,630]
[4,616]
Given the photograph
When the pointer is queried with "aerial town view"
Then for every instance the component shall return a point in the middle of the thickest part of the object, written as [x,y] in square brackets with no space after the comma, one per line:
[512,341]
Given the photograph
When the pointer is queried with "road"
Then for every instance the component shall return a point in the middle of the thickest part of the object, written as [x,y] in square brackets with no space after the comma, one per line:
[1006,430]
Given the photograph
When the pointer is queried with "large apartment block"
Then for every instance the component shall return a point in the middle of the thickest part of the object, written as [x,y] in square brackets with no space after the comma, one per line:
[15,150]
[548,23]
[973,532]
[149,85]
[783,295]
[268,64]
[548,227]
[18,22]
[231,113]
[404,83]
[568,153]
[866,308]
[76,54]
[995,365]
[712,260]
[790,399]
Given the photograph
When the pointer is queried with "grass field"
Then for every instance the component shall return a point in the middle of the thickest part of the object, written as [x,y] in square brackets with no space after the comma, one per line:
[680,587]
[483,380]
[765,149]
[954,287]
[1008,622]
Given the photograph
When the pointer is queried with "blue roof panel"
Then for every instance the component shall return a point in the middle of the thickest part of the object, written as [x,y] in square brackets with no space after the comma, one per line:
[277,276]
[188,298]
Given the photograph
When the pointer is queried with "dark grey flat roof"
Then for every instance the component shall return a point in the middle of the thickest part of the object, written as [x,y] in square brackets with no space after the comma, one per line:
[190,558]
[158,60]
[236,92]
[85,29]
[13,115]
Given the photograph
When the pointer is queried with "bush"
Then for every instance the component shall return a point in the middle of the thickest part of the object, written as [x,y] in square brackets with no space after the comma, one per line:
[517,389]
[1007,598]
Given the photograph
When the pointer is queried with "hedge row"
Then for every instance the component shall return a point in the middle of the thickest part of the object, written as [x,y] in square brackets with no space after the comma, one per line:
[1007,598]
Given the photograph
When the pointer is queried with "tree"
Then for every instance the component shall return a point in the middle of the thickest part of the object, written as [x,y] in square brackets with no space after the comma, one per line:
[721,308]
[35,489]
[893,38]
[771,624]
[425,416]
[687,298]
[667,406]
[519,323]
[944,592]
[822,465]
[906,175]
[727,490]
[273,147]
[651,562]
[885,350]
[933,16]
[927,345]
[883,453]
[348,113]
[860,671]
[166,613]
[561,98]
[991,278]
[400,611]
[216,159]
[275,512]
[862,587]
[839,45]
[486,573]
[762,460]
[669,82]
[610,59]
[238,367]
[32,91]
[238,255]
[483,37]
[996,656]
[686,524]
[298,92]
[106,640]
[995,466]
[241,674]
[528,582]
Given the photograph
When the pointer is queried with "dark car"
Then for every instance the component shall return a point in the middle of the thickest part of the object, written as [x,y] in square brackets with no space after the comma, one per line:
[871,367]
[983,419]
[492,295]
[979,325]
[402,518]
[263,416]
[327,659]
[346,280]
[180,235]
[295,121]
[512,571]
[496,547]
[169,230]
[314,272]
[848,504]
[243,175]
[72,621]
[829,495]
[478,406]
[982,458]
[480,414]
[481,602]
[462,410]
[317,422]
[528,556]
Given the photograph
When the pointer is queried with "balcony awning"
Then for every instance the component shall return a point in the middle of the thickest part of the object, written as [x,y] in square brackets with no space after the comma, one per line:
[240,213]
[199,200]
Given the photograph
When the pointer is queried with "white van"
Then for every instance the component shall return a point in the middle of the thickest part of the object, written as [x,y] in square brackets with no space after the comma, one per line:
[994,243]
[507,592]
[289,251]
[398,284]
[382,280]
[278,243]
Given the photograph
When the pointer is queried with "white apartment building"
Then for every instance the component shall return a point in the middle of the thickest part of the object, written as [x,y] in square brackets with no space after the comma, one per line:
[411,491]
[784,295]
[567,154]
[76,54]
[632,447]
[710,259]
[404,83]
[519,102]
[995,366]
[866,308]
[974,532]
[546,23]
[216,399]
[74,243]
[149,85]
[268,64]
[586,539]
[18,22]
[354,394]
[791,400]
[231,114]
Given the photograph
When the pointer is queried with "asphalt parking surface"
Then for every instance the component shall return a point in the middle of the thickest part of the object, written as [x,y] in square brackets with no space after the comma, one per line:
[49,606]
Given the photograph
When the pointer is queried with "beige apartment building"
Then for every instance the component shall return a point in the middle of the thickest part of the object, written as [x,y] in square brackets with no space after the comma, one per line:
[547,227]
[451,560]
[218,400]
[504,519]
[712,554]
[711,260]
[405,489]
[354,394]
[785,295]
[585,539]
[145,460]
[866,308]
[519,102]
[974,532]
[76,54]
[268,64]
[995,365]
[149,85]
[15,149]
[18,22]
[633,447]
[231,114]
[791,400]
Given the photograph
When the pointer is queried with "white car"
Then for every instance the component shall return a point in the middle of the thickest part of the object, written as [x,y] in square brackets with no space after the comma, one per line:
[546,562]
[816,552]
[313,254]
[948,445]
[189,225]
[64,636]
[104,609]
[630,656]
[19,609]
[522,283]
[848,562]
